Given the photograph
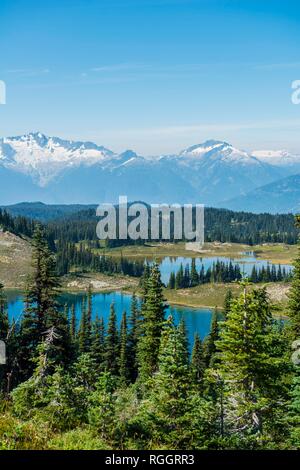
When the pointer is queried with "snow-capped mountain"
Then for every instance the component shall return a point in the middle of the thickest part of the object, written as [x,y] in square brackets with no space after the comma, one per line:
[217,169]
[217,151]
[43,158]
[53,170]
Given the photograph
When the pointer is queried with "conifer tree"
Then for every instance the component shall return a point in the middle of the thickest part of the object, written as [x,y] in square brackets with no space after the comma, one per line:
[209,343]
[98,342]
[175,411]
[61,349]
[171,383]
[89,312]
[194,274]
[172,281]
[153,318]
[179,278]
[112,343]
[227,302]
[249,361]
[144,279]
[73,329]
[12,352]
[186,277]
[123,364]
[83,337]
[41,308]
[198,364]
[184,337]
[134,333]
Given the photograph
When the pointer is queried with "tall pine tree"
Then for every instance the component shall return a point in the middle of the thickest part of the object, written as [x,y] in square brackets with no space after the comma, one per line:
[123,364]
[112,343]
[153,317]
[249,361]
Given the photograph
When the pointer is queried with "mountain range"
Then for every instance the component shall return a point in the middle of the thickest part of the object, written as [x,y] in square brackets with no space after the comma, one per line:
[35,167]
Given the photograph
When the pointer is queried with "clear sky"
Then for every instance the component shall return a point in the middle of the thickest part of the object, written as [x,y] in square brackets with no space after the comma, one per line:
[152,75]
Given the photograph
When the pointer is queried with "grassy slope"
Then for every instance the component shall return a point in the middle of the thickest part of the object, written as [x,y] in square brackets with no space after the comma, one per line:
[15,256]
[213,295]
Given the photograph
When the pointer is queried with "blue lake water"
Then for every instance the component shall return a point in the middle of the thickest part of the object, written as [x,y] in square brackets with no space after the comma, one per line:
[196,319]
[246,263]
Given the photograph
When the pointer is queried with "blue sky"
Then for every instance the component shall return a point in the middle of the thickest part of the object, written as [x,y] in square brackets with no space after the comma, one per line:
[152,75]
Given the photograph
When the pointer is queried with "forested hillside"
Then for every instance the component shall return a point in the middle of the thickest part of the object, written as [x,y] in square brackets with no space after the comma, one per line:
[220,224]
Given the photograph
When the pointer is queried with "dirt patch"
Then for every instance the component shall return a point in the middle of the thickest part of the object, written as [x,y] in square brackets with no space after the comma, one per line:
[278,292]
[98,282]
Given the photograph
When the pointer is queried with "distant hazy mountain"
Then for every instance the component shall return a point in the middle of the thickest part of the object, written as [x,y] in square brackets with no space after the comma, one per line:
[282,196]
[49,169]
[279,159]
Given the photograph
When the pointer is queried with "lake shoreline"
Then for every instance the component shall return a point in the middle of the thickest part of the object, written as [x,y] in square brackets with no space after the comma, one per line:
[120,291]
[170,302]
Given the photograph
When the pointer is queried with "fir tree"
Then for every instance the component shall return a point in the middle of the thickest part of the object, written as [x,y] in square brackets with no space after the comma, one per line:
[123,364]
[249,361]
[172,281]
[89,312]
[209,344]
[153,318]
[41,308]
[135,325]
[73,329]
[175,412]
[179,278]
[198,364]
[144,279]
[83,336]
[112,343]
[227,302]
[98,342]
[184,337]
[61,349]
[194,274]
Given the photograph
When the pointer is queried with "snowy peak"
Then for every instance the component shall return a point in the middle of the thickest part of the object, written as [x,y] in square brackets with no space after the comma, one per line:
[202,149]
[36,140]
[215,150]
[44,157]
